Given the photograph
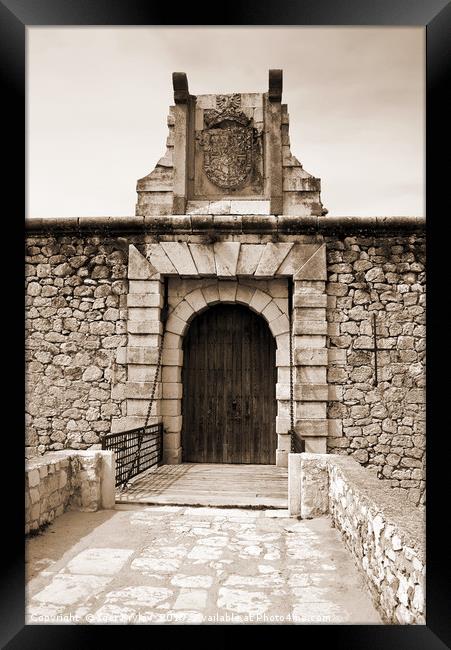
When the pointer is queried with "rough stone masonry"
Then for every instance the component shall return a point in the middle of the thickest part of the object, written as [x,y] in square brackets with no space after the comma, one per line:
[93,314]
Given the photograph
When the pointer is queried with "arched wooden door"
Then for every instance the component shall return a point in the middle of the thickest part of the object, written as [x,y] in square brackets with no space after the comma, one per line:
[229,388]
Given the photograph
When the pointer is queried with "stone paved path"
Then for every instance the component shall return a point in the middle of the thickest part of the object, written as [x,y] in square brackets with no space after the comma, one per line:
[168,564]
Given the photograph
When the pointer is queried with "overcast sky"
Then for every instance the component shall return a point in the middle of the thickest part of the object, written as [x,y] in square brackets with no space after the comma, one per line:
[98,100]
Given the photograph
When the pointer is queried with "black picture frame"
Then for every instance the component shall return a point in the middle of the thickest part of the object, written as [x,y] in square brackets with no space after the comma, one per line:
[435,16]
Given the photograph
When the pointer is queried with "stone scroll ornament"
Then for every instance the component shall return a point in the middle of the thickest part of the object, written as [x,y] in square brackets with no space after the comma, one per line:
[229,142]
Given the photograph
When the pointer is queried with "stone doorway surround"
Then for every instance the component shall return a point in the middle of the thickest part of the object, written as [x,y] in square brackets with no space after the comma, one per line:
[201,275]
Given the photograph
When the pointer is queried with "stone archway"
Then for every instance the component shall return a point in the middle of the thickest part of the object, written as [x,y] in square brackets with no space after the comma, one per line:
[227,271]
[273,311]
[229,380]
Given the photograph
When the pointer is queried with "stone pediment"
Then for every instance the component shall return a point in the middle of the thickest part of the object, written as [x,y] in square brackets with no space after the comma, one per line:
[229,148]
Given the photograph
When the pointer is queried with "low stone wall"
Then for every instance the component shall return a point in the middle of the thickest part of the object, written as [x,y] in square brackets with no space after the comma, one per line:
[67,480]
[384,532]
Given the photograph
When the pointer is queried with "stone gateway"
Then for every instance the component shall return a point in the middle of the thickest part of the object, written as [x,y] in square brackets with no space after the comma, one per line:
[262,307]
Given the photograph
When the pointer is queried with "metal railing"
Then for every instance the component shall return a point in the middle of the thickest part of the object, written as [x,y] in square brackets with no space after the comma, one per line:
[297,443]
[135,450]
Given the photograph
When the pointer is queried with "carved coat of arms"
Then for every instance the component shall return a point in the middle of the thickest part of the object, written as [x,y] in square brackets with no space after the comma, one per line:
[228,144]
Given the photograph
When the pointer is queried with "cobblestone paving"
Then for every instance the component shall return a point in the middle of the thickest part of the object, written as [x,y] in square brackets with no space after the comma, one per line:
[193,565]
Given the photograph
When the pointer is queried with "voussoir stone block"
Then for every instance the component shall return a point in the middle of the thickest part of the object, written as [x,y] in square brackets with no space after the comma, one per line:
[272,258]
[259,301]
[204,258]
[158,258]
[249,258]
[226,258]
[211,294]
[175,325]
[180,256]
[296,258]
[244,294]
[138,267]
[279,325]
[184,311]
[227,290]
[196,300]
[315,268]
[271,311]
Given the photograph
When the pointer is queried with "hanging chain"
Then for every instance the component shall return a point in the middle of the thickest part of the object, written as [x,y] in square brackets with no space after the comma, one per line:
[155,379]
[164,315]
[290,342]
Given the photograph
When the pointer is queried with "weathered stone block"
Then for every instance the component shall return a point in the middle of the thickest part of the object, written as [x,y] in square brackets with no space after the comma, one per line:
[310,300]
[172,357]
[279,325]
[249,258]
[144,300]
[159,260]
[176,325]
[184,311]
[310,357]
[145,327]
[311,392]
[172,390]
[196,300]
[315,327]
[145,286]
[272,257]
[143,313]
[173,423]
[180,255]
[271,311]
[335,428]
[259,301]
[311,427]
[33,478]
[226,258]
[142,355]
[309,341]
[227,290]
[311,410]
[138,267]
[204,259]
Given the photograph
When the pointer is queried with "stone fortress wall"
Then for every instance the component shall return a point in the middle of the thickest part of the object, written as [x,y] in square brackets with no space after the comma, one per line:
[77,312]
[229,214]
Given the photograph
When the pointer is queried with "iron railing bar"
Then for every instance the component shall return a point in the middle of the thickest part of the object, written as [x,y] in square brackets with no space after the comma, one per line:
[147,441]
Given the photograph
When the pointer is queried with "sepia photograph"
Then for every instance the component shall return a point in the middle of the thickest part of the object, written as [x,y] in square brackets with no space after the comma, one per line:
[225,325]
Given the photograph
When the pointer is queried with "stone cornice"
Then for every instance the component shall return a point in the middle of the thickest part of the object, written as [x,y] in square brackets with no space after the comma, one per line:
[203,223]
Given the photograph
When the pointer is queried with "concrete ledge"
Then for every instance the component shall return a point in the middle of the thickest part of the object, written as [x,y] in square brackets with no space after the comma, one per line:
[195,223]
